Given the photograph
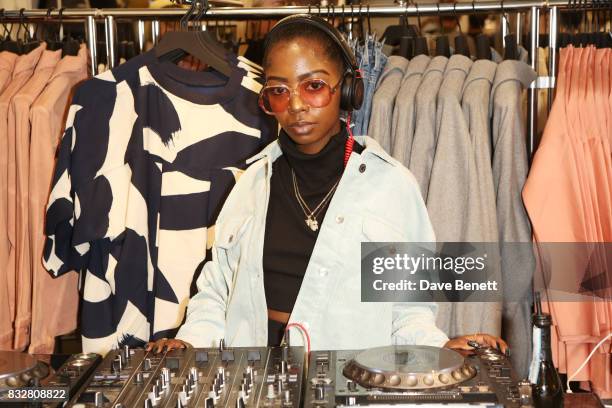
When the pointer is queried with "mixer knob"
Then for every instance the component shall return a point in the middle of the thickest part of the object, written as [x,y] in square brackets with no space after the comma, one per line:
[240,403]
[279,386]
[138,379]
[219,382]
[126,352]
[99,399]
[179,404]
[212,395]
[193,372]
[248,379]
[320,392]
[162,380]
[209,402]
[166,373]
[148,403]
[183,397]
[283,367]
[221,345]
[214,390]
[285,350]
[271,394]
[287,397]
[351,385]
[244,388]
[186,390]
[146,364]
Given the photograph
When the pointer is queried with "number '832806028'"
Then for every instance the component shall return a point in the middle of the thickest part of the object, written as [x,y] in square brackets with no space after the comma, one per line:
[34,394]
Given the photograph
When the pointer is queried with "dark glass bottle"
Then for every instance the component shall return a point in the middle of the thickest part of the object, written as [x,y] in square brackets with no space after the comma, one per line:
[548,391]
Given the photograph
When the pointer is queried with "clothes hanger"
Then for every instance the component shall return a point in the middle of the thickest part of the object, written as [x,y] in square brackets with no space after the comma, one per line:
[461,44]
[405,45]
[69,45]
[511,49]
[442,44]
[5,33]
[31,42]
[393,34]
[49,36]
[483,44]
[175,45]
[420,42]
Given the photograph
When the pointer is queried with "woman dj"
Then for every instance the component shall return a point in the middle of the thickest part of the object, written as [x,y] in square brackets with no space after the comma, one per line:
[288,239]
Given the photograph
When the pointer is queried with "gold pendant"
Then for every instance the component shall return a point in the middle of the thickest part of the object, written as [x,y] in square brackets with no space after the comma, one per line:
[312,223]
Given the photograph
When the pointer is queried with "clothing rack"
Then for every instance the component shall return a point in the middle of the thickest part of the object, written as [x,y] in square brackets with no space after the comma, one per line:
[534,7]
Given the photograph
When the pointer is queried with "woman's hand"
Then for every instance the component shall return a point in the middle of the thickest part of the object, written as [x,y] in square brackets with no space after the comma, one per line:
[169,344]
[461,342]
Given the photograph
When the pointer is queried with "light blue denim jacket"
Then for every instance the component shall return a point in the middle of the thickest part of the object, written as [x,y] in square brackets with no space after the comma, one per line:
[377,199]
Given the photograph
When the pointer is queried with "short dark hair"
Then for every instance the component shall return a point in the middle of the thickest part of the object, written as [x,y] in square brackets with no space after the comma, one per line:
[306,31]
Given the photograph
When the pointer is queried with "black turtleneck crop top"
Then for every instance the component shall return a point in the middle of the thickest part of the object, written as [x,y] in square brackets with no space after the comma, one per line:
[288,241]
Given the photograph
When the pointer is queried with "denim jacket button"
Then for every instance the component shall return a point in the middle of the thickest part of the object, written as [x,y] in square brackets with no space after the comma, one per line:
[362,168]
[339,219]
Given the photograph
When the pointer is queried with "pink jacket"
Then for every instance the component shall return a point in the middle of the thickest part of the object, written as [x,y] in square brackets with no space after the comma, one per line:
[19,129]
[47,116]
[23,69]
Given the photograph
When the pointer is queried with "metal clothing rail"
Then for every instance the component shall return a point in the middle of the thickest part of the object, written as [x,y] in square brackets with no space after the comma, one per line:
[534,7]
[249,13]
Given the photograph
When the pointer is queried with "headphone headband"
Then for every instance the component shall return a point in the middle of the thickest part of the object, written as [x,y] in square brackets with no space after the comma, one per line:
[331,31]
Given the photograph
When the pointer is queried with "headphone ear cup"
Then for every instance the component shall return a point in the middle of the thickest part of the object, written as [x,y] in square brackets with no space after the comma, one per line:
[346,99]
[357,93]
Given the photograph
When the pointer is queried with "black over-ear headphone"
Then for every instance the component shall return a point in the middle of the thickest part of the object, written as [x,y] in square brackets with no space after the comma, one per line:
[352,84]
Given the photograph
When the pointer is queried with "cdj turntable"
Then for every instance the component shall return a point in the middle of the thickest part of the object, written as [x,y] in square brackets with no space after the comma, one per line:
[60,372]
[414,375]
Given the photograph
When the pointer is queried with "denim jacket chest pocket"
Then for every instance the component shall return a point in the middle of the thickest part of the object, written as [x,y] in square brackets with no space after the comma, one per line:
[231,242]
[378,229]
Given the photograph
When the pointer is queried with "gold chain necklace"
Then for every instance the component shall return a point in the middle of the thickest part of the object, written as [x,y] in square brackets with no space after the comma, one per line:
[311,215]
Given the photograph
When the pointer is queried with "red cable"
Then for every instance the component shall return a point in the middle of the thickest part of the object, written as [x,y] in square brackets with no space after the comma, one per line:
[304,332]
[348,147]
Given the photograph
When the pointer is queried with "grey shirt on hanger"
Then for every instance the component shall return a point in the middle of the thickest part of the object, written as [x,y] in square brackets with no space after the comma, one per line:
[475,105]
[424,142]
[384,100]
[404,111]
[453,202]
[510,167]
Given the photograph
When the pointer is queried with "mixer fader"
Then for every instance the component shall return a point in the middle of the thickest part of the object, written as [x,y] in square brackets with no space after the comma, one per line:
[208,378]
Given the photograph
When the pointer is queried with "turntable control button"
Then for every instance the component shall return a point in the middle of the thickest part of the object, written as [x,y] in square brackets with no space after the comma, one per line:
[465,388]
[395,380]
[444,378]
[428,380]
[12,382]
[351,385]
[412,381]
[457,375]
